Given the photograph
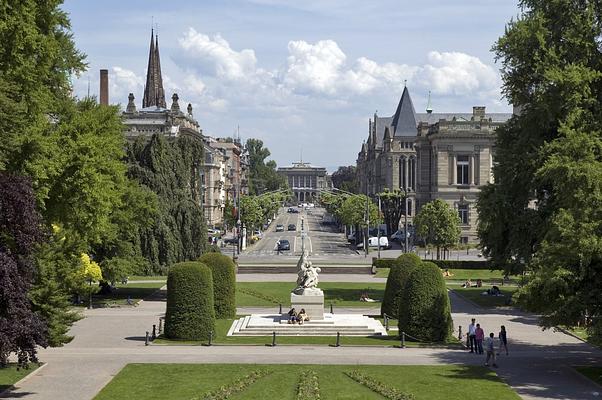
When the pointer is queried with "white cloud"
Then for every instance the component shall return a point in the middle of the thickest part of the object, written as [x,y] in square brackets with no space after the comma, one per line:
[123,81]
[215,56]
[453,73]
[195,85]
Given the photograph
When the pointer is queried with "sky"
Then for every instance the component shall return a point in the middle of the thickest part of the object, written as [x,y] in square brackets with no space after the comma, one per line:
[303,76]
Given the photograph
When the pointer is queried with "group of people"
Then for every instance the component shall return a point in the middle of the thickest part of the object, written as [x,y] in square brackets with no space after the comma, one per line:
[475,340]
[295,317]
[470,283]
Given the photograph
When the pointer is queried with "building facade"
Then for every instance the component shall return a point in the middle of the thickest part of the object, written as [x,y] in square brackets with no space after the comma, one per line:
[431,156]
[306,181]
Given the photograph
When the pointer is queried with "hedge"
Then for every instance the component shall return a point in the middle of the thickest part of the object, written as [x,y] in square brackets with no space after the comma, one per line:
[443,264]
[400,270]
[224,283]
[424,309]
[190,314]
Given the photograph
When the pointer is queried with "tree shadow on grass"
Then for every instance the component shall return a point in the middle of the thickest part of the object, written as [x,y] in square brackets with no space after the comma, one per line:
[11,394]
[335,295]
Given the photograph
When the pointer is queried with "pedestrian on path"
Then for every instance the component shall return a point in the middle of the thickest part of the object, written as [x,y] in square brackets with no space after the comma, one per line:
[479,337]
[503,340]
[490,350]
[472,335]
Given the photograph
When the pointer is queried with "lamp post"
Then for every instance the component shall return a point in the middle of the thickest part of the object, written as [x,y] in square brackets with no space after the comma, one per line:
[378,228]
[405,228]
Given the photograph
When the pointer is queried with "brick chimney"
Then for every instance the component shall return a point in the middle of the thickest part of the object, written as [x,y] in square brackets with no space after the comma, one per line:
[104,87]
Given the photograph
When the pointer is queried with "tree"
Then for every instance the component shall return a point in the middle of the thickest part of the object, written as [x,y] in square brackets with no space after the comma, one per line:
[223,272]
[393,205]
[251,214]
[263,176]
[189,314]
[353,211]
[21,329]
[396,282]
[88,273]
[345,178]
[543,211]
[438,224]
[424,310]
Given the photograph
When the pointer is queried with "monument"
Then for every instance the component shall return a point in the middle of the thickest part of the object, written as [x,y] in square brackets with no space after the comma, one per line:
[307,295]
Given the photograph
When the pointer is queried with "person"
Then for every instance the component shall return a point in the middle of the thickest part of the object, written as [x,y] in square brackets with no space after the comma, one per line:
[278,247]
[472,335]
[447,274]
[479,337]
[302,316]
[467,284]
[490,350]
[292,316]
[364,297]
[503,339]
[479,282]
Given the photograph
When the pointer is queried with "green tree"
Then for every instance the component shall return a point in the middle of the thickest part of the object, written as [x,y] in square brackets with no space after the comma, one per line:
[345,178]
[438,224]
[544,210]
[393,205]
[396,282]
[263,176]
[251,214]
[223,272]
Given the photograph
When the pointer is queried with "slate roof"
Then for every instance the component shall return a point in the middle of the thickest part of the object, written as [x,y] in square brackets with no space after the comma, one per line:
[404,119]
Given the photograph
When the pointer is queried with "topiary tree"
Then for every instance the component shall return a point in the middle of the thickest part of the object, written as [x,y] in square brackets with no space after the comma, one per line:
[424,310]
[398,275]
[224,283]
[190,314]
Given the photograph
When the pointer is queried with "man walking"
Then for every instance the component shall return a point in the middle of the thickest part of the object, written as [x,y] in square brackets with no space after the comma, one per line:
[490,350]
[472,335]
[479,337]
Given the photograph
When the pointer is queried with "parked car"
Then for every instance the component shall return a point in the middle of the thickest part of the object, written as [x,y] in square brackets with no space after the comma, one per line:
[292,227]
[279,228]
[294,211]
[231,240]
[284,244]
[351,237]
[373,243]
[397,236]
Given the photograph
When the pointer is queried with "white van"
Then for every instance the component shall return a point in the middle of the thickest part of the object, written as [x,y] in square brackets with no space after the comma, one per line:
[373,243]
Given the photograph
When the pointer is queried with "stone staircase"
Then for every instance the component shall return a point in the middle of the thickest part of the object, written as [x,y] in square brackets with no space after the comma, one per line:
[346,324]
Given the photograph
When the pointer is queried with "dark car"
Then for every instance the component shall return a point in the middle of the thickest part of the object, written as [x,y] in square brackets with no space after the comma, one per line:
[294,211]
[232,240]
[284,244]
[292,227]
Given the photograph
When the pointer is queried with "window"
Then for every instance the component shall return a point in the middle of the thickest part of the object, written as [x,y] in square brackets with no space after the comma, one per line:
[464,240]
[463,213]
[402,174]
[412,178]
[462,170]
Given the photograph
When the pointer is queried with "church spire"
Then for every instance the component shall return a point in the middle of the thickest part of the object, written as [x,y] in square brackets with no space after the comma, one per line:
[154,95]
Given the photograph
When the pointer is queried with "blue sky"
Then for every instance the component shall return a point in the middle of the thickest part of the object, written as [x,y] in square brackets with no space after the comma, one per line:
[300,75]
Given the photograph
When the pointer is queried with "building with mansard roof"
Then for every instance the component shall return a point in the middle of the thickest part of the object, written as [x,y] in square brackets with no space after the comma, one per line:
[431,155]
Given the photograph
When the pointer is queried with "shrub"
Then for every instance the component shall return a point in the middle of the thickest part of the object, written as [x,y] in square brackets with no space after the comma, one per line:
[398,275]
[189,314]
[383,262]
[224,283]
[424,309]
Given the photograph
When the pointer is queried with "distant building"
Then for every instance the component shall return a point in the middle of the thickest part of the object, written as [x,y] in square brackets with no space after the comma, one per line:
[306,181]
[431,155]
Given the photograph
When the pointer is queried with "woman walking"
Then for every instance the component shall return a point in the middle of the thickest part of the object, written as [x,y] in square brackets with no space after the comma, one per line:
[503,340]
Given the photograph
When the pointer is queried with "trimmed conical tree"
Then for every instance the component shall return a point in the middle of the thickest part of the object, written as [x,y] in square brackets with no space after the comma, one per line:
[224,283]
[398,274]
[424,309]
[190,314]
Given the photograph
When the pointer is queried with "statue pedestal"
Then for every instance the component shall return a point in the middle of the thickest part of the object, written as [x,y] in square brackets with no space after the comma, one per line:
[312,300]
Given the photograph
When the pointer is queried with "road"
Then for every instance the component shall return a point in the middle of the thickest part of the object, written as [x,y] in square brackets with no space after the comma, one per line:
[321,240]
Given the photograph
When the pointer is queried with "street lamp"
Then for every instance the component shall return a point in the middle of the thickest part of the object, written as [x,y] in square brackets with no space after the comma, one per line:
[378,228]
[405,228]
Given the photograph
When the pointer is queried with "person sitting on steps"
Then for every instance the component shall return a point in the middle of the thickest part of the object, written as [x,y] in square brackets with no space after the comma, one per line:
[302,316]
[292,316]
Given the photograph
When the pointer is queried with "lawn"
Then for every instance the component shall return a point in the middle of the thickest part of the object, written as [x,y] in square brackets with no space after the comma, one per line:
[196,381]
[223,325]
[11,375]
[461,275]
[265,294]
[134,290]
[582,333]
[474,294]
[593,373]
[147,278]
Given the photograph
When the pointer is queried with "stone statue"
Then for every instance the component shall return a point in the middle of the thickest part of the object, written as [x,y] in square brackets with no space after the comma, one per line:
[307,275]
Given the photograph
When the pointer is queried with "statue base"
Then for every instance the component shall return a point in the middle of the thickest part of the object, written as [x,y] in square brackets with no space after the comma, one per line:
[311,299]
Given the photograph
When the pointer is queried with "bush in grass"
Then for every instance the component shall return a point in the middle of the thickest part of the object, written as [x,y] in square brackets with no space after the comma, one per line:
[224,283]
[424,309]
[190,314]
[398,275]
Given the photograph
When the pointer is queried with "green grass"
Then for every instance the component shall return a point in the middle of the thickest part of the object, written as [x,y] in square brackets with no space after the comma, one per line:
[136,292]
[11,375]
[223,325]
[265,294]
[461,275]
[187,381]
[583,334]
[593,373]
[147,278]
[474,294]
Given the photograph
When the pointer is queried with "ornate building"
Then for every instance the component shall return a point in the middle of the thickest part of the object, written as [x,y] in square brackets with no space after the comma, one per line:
[431,155]
[306,181]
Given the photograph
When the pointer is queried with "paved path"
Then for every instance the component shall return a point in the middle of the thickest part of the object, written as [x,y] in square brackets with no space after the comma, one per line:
[107,339]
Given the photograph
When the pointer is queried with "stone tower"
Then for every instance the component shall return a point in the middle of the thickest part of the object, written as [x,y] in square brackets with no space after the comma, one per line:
[154,95]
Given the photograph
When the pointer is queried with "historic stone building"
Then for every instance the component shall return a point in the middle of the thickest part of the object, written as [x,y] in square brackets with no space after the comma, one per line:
[306,181]
[431,155]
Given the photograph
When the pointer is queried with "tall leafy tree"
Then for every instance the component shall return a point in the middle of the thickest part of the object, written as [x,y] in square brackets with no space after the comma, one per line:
[544,211]
[21,329]
[263,176]
[438,224]
[345,178]
[393,205]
